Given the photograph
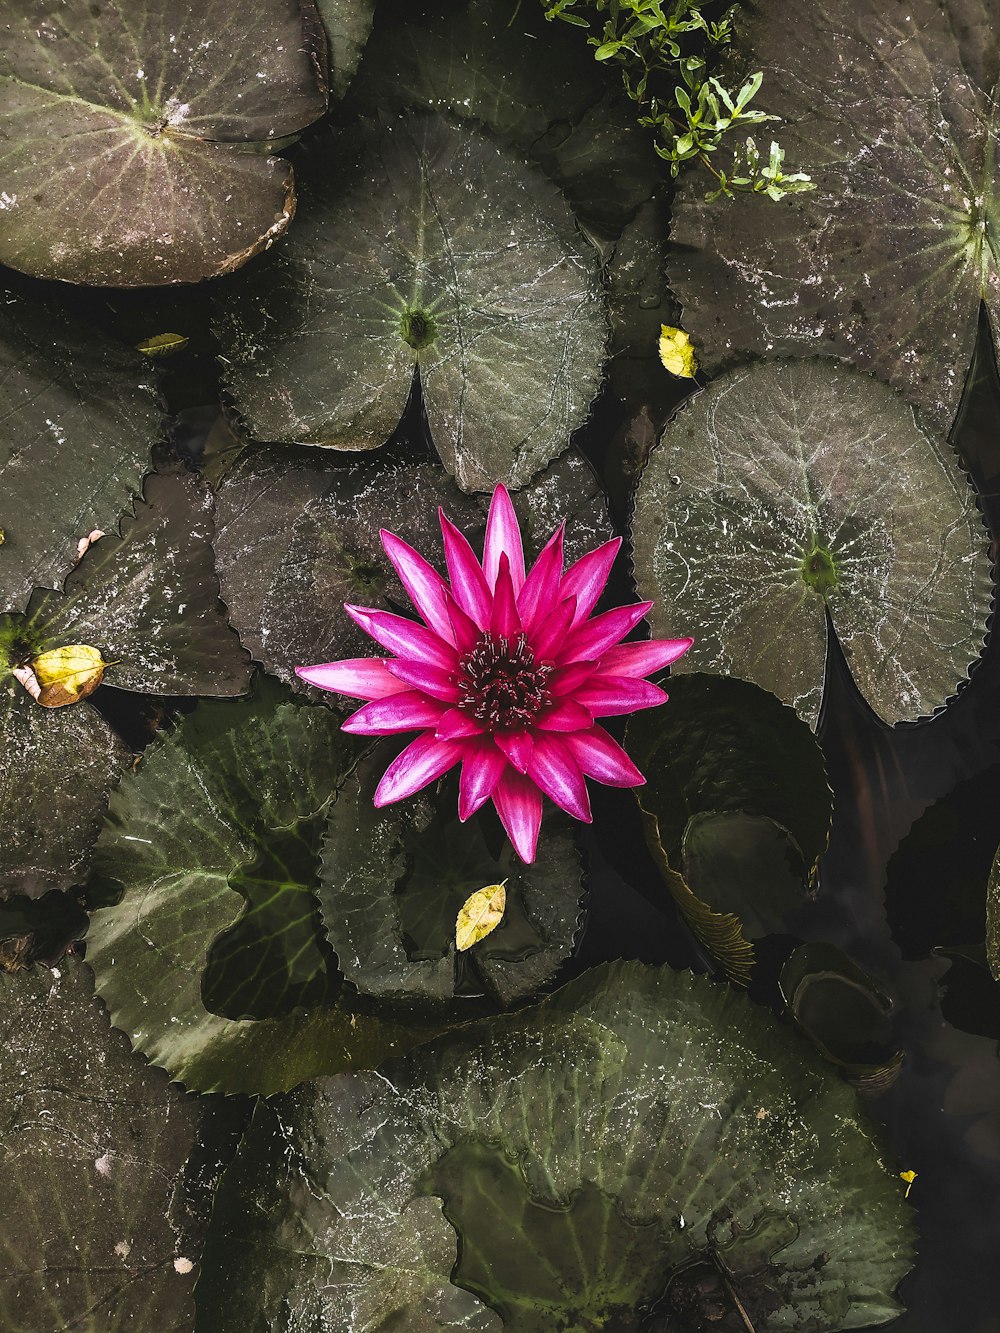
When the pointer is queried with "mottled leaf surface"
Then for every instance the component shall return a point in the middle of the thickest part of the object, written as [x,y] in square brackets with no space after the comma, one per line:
[791,490]
[56,770]
[149,599]
[124,135]
[299,535]
[565,1144]
[892,110]
[94,1226]
[347,24]
[79,411]
[421,244]
[182,837]
[392,884]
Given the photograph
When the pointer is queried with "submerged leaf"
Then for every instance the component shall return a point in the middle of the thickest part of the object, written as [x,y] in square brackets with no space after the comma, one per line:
[421,245]
[479,915]
[124,140]
[644,1143]
[892,109]
[96,1231]
[790,491]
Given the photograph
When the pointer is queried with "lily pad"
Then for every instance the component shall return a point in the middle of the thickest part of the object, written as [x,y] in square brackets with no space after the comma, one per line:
[148,599]
[96,1229]
[56,771]
[139,151]
[299,536]
[534,85]
[393,882]
[637,1104]
[892,110]
[183,837]
[421,245]
[78,410]
[793,492]
[347,24]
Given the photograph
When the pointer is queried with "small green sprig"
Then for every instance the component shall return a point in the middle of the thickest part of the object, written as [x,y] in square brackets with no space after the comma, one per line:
[690,110]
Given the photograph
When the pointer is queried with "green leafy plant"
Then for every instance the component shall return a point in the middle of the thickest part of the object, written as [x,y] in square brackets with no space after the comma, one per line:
[655,45]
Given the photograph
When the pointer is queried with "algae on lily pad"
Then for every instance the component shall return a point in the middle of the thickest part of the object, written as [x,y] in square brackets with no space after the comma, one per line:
[394,880]
[602,1159]
[79,411]
[97,1228]
[137,145]
[199,843]
[790,492]
[298,536]
[892,110]
[421,246]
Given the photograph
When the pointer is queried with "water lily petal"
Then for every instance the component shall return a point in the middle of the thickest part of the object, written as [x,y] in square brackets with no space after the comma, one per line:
[423,761]
[567,679]
[519,804]
[554,769]
[359,677]
[483,766]
[455,723]
[540,591]
[600,756]
[595,636]
[465,632]
[426,588]
[432,680]
[399,712]
[565,715]
[503,537]
[547,639]
[587,579]
[468,582]
[642,659]
[607,696]
[517,746]
[504,620]
[404,637]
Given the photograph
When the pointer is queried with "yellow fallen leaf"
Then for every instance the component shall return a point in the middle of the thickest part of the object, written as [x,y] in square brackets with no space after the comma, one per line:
[163,344]
[67,675]
[909,1177]
[481,913]
[676,352]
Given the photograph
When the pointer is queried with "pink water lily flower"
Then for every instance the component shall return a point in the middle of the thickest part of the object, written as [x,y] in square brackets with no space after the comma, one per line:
[506,675]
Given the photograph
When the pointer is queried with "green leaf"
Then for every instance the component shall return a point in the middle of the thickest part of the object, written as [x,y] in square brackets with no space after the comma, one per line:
[393,882]
[193,828]
[149,599]
[56,771]
[347,24]
[298,537]
[402,258]
[790,491]
[97,1230]
[138,152]
[79,411]
[604,1151]
[893,114]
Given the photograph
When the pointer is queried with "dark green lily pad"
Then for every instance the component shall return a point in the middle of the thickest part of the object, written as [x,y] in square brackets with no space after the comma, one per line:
[421,245]
[993,919]
[636,1103]
[184,836]
[299,536]
[393,881]
[793,490]
[57,767]
[96,1229]
[347,24]
[892,110]
[138,151]
[78,410]
[534,85]
[148,599]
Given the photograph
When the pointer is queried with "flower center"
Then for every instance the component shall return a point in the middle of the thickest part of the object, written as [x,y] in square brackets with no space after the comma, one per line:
[501,683]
